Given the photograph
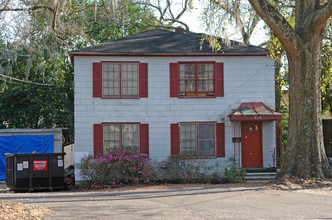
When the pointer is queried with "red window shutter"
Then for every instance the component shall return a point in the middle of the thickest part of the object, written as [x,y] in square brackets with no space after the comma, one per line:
[143,80]
[97,79]
[174,81]
[220,127]
[219,83]
[144,139]
[98,139]
[175,139]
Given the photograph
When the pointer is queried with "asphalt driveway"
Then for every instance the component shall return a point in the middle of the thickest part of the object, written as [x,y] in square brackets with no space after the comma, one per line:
[182,202]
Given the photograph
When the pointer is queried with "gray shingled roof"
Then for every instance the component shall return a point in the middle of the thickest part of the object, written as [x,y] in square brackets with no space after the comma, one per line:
[158,41]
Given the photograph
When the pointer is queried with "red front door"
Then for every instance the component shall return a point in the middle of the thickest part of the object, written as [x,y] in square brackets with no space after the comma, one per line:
[251,142]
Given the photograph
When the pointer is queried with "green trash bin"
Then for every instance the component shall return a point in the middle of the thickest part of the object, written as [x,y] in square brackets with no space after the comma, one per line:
[35,171]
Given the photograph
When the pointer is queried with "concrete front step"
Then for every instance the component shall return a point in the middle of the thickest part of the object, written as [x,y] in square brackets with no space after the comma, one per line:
[260,177]
[263,177]
[262,174]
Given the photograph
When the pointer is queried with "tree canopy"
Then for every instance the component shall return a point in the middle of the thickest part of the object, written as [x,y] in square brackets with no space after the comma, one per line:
[36,74]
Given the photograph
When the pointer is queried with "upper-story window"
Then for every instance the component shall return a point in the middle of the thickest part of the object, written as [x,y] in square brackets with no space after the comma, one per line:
[120,80]
[196,79]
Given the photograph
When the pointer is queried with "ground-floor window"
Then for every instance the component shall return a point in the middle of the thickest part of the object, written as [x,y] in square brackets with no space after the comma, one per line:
[121,135]
[198,140]
[109,135]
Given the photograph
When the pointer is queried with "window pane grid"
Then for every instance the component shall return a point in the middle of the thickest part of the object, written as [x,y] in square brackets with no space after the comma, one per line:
[205,85]
[129,75]
[205,77]
[197,140]
[129,80]
[188,137]
[187,85]
[197,79]
[187,78]
[207,140]
[130,136]
[111,79]
[111,136]
[121,135]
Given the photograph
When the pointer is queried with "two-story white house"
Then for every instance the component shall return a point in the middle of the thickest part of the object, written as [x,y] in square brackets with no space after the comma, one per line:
[169,93]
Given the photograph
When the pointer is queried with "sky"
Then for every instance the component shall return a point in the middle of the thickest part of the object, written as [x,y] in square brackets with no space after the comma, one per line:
[192,19]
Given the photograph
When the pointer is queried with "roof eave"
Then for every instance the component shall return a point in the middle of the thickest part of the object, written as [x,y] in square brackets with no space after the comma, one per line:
[71,54]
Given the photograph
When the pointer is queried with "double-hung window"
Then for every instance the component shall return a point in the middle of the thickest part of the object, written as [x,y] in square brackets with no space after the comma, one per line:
[121,135]
[196,79]
[120,80]
[198,140]
[110,135]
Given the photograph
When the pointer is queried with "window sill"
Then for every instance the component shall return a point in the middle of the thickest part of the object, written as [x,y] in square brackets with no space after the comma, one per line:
[119,98]
[190,158]
[195,97]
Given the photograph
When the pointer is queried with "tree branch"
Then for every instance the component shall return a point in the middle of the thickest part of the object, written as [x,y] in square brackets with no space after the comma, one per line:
[167,17]
[157,26]
[279,25]
[284,5]
[169,9]
[184,9]
[104,6]
[4,4]
[322,14]
[180,22]
[161,11]
[33,8]
[253,24]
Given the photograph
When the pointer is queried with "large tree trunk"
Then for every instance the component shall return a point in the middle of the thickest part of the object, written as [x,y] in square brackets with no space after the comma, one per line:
[305,154]
[305,157]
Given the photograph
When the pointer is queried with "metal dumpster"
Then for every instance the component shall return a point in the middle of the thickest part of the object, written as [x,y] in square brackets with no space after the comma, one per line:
[35,171]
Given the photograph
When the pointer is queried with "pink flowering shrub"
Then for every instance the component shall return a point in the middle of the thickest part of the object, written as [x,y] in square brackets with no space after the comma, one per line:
[117,167]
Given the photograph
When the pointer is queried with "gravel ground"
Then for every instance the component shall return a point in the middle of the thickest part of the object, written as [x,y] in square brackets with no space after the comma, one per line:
[19,210]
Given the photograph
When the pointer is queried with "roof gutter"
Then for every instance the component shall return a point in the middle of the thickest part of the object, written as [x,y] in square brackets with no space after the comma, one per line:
[166,54]
[73,54]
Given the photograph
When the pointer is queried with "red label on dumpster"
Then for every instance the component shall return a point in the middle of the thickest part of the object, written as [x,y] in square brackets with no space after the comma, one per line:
[40,165]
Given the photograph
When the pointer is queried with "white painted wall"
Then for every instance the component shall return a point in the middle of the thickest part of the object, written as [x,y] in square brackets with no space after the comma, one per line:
[246,79]
[269,143]
[70,155]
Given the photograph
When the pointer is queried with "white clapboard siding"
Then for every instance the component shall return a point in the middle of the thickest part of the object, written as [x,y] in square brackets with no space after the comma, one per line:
[246,79]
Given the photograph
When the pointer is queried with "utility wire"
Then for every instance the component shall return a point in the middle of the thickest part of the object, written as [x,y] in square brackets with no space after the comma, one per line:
[34,83]
[11,82]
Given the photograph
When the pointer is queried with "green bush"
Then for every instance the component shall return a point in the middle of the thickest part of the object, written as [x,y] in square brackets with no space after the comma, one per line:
[180,170]
[216,178]
[235,174]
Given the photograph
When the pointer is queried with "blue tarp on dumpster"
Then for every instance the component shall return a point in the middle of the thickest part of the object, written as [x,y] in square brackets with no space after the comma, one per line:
[24,144]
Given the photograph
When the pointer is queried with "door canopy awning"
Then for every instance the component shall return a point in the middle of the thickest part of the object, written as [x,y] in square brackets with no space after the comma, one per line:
[257,111]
